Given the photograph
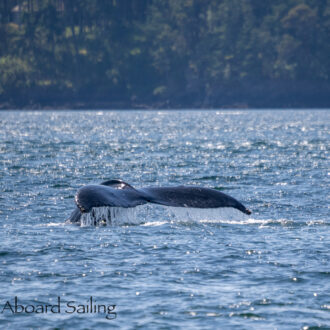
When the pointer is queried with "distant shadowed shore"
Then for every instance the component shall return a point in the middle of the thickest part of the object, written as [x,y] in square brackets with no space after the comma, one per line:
[269,94]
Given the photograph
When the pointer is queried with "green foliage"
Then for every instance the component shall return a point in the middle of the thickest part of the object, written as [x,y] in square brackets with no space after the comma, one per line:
[177,52]
[15,73]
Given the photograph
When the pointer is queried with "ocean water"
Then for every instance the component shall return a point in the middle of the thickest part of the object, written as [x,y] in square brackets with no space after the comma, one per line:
[158,267]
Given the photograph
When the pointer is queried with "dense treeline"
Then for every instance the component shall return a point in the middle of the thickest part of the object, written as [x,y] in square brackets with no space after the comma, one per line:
[164,53]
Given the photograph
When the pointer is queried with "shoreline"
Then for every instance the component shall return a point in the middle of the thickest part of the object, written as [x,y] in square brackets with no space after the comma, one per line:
[127,107]
[269,95]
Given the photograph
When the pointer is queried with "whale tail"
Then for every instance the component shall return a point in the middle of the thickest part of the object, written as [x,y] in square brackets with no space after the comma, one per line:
[117,193]
[191,196]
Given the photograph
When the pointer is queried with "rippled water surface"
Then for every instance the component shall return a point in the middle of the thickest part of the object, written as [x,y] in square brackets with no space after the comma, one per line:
[168,268]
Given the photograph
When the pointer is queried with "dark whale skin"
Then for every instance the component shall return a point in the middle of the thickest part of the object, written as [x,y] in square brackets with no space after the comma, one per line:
[117,193]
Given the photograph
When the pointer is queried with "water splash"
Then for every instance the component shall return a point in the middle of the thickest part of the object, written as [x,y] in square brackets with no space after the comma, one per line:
[187,214]
[156,215]
[105,216]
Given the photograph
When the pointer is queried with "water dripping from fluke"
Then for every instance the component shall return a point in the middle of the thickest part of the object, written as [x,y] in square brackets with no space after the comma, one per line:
[108,216]
[153,215]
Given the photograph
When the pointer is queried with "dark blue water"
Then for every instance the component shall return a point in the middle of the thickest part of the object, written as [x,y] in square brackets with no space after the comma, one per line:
[170,271]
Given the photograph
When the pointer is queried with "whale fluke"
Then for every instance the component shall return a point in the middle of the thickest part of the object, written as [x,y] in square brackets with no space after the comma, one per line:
[190,196]
[117,193]
[100,195]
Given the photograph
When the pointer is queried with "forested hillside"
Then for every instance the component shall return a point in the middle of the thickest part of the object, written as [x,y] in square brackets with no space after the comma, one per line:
[164,53]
